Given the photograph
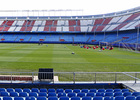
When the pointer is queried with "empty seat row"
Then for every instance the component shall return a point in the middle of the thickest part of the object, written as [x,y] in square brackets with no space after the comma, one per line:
[73,98]
[70,94]
[62,90]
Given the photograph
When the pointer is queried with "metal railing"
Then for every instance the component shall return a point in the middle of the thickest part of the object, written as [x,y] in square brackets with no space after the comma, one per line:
[73,77]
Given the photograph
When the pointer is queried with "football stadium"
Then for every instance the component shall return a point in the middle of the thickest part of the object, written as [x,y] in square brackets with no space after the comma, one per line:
[87,57]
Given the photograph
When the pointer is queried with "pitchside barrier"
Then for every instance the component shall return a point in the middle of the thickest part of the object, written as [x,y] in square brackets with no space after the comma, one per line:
[73,77]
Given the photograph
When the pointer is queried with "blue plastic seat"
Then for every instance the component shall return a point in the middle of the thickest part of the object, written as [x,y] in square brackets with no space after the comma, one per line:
[51,94]
[41,98]
[30,98]
[100,94]
[3,93]
[10,90]
[91,94]
[80,94]
[75,98]
[13,94]
[51,90]
[93,90]
[68,90]
[117,90]
[59,90]
[18,98]
[71,94]
[136,94]
[101,90]
[64,98]
[2,89]
[76,90]
[119,98]
[61,94]
[108,98]
[35,90]
[84,90]
[130,98]
[109,90]
[26,90]
[127,94]
[86,98]
[23,94]
[138,98]
[118,94]
[43,90]
[18,90]
[98,98]
[44,94]
[33,94]
[52,98]
[109,94]
[125,90]
[7,98]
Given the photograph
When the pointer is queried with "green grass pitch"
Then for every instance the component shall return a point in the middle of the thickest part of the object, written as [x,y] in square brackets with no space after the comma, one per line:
[31,57]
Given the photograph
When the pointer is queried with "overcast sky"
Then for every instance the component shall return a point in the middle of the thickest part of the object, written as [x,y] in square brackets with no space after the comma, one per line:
[89,7]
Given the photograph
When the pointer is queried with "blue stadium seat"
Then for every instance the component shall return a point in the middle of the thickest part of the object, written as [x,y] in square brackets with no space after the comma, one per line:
[61,94]
[42,94]
[43,90]
[138,98]
[18,90]
[127,94]
[59,90]
[3,93]
[98,98]
[91,94]
[10,90]
[125,90]
[136,94]
[64,98]
[108,98]
[84,90]
[76,90]
[23,94]
[80,94]
[109,90]
[119,98]
[33,94]
[117,90]
[118,94]
[101,90]
[68,90]
[30,98]
[51,90]
[52,98]
[41,98]
[26,90]
[51,94]
[71,94]
[109,94]
[35,90]
[13,94]
[7,98]
[93,90]
[2,89]
[75,98]
[86,98]
[130,98]
[18,98]
[100,94]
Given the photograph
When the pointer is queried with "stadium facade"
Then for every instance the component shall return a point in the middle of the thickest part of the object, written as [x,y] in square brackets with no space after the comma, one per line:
[114,27]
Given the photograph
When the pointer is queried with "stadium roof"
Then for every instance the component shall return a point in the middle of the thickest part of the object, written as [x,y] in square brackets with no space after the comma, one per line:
[89,7]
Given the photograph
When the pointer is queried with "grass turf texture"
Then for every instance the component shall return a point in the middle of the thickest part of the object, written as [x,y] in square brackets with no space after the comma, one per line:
[31,57]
